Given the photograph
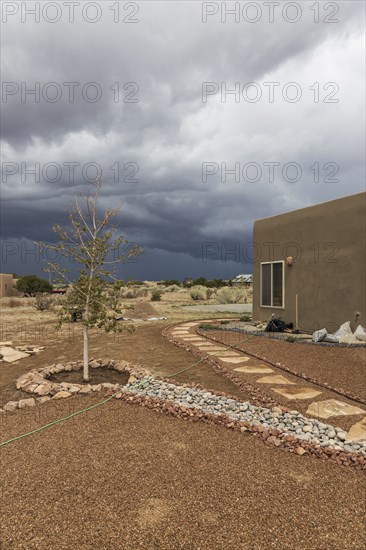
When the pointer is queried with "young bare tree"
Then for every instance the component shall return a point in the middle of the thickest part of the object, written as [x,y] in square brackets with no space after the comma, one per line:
[91,242]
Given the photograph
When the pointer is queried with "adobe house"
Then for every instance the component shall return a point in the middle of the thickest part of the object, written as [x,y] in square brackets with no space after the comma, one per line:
[7,283]
[309,265]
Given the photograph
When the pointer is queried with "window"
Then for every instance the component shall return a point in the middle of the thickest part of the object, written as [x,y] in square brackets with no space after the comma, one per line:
[272,284]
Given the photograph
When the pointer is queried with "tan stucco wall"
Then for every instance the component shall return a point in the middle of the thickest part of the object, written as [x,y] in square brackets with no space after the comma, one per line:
[330,285]
[6,285]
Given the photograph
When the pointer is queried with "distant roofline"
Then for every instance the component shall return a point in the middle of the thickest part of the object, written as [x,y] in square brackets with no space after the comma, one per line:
[312,206]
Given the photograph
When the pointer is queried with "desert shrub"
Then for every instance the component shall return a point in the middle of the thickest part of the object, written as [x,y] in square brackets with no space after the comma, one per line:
[224,322]
[44,302]
[228,295]
[209,293]
[156,295]
[130,293]
[207,326]
[170,282]
[119,284]
[245,318]
[134,283]
[198,293]
[172,288]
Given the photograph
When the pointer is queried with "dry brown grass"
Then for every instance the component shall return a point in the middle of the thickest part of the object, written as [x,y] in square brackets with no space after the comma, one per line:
[13,302]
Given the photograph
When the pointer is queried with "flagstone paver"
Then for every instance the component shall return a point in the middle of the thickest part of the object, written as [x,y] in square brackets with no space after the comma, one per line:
[357,432]
[297,393]
[257,369]
[332,407]
[233,359]
[275,379]
[215,350]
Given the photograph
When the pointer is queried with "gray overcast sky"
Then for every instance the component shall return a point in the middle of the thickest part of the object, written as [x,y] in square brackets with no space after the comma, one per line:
[303,145]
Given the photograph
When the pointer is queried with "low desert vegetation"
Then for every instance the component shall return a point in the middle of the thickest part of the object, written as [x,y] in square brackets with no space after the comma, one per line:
[229,295]
[207,326]
[198,293]
[245,318]
[156,295]
[12,303]
[44,301]
[131,293]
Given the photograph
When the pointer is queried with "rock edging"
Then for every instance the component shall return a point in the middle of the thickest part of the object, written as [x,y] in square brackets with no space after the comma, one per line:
[37,383]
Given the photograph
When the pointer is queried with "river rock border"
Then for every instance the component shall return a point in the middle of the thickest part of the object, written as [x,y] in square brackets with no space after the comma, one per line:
[290,431]
[37,382]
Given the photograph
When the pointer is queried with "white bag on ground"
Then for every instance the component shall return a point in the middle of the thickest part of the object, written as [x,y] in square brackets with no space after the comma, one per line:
[360,334]
[320,335]
[343,332]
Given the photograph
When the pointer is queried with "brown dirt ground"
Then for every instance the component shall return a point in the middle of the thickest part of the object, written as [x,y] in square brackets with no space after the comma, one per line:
[121,476]
[145,346]
[142,310]
[99,375]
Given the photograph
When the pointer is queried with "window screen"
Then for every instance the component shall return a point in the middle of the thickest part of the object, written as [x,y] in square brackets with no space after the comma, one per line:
[277,289]
[272,284]
[266,284]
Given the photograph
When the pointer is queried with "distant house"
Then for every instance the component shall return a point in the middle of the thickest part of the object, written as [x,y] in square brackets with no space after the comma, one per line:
[7,285]
[245,280]
[310,266]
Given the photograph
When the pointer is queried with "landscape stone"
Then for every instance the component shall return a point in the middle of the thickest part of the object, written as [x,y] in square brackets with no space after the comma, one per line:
[275,379]
[43,399]
[85,389]
[233,360]
[358,431]
[332,407]
[11,406]
[254,369]
[43,389]
[62,394]
[297,393]
[29,402]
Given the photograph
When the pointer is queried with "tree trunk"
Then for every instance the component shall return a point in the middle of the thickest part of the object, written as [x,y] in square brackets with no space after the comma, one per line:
[86,354]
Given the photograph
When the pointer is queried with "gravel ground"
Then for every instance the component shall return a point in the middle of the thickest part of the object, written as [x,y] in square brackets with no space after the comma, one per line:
[340,367]
[221,308]
[291,423]
[121,476]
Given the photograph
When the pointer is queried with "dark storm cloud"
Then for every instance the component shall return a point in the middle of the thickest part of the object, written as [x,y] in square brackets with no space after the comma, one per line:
[170,132]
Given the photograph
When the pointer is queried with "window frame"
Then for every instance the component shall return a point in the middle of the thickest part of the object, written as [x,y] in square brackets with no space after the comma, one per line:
[271,285]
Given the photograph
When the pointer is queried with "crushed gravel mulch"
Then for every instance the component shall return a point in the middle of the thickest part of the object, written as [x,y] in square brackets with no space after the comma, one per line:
[341,367]
[121,476]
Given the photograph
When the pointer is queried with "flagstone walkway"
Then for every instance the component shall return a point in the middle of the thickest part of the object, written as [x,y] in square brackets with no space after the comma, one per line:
[291,390]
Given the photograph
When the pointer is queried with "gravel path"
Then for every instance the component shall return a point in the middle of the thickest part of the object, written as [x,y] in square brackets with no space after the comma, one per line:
[221,308]
[122,476]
